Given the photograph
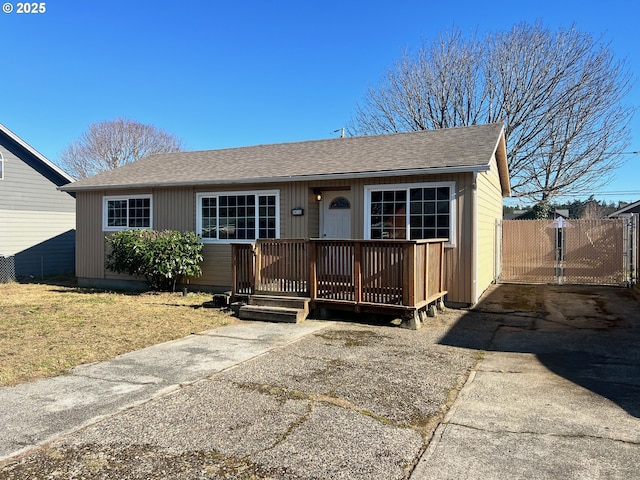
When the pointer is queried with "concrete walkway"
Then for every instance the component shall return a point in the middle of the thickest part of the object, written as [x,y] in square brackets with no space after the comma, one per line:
[36,412]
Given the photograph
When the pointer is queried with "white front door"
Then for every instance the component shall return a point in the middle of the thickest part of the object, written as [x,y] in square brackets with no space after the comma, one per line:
[336,215]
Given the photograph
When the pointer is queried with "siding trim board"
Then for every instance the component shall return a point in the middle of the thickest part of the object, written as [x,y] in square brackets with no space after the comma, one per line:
[293,178]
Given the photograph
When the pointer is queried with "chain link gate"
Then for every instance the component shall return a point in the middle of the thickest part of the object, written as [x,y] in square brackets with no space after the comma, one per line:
[598,251]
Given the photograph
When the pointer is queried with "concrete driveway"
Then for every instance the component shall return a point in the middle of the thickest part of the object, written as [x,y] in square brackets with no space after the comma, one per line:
[537,382]
[557,395]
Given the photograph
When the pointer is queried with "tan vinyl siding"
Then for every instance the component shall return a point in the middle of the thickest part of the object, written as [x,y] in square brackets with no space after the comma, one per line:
[489,212]
[313,215]
[175,208]
[216,267]
[90,242]
[297,195]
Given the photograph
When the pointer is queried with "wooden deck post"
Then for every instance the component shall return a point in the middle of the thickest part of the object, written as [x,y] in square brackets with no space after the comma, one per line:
[313,270]
[427,248]
[257,252]
[234,270]
[357,272]
[441,276]
[408,274]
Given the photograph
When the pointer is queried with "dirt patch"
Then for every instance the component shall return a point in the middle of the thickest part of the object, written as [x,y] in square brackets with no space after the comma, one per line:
[115,461]
[514,299]
[350,338]
[558,307]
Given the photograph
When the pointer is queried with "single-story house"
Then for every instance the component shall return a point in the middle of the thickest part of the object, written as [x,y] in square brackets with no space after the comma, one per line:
[627,210]
[445,183]
[631,213]
[37,221]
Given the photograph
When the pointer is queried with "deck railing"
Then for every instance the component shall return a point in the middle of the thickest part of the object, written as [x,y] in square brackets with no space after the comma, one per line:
[390,273]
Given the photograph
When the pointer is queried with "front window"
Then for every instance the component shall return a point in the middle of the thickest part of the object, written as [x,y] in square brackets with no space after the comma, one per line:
[238,216]
[411,211]
[126,212]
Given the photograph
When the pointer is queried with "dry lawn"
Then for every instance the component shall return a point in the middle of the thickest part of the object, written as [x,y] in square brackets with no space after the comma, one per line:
[48,329]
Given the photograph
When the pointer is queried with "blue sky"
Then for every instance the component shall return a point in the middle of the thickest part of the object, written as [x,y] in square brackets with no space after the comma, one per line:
[227,74]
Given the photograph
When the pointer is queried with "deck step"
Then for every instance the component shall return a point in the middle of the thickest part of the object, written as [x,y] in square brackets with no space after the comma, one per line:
[300,303]
[272,314]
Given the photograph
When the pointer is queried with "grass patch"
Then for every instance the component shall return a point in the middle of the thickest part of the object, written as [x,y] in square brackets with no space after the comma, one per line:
[48,329]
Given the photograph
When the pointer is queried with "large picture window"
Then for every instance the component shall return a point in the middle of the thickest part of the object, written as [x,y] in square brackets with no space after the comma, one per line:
[238,215]
[410,211]
[124,212]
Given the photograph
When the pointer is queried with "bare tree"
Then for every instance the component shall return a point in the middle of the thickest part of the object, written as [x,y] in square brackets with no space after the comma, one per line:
[111,144]
[559,95]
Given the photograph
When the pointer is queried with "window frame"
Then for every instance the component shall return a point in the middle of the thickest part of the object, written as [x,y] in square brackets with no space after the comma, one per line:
[369,189]
[257,193]
[105,212]
[1,167]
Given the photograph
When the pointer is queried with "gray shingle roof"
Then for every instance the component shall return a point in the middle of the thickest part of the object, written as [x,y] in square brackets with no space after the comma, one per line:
[459,149]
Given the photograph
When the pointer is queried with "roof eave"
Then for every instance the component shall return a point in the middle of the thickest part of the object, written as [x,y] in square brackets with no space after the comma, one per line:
[292,178]
[36,154]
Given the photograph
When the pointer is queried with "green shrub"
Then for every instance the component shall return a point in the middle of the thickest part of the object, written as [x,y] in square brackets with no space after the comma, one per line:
[162,258]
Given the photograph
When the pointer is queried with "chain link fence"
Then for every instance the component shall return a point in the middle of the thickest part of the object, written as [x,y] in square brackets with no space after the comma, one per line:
[585,251]
[7,269]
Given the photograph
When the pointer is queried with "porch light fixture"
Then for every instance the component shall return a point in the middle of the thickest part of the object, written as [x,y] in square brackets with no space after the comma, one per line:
[318,194]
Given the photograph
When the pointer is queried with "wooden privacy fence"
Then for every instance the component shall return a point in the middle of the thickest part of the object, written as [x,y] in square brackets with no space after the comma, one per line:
[359,273]
[586,251]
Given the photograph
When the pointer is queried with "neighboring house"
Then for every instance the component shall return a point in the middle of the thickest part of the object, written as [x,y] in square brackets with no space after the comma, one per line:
[531,215]
[631,213]
[441,183]
[627,210]
[37,221]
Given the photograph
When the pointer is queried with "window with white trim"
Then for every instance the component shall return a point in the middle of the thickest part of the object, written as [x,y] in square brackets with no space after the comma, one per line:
[1,167]
[237,216]
[125,212]
[411,211]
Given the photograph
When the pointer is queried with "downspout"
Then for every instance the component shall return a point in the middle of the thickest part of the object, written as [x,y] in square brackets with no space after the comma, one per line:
[474,239]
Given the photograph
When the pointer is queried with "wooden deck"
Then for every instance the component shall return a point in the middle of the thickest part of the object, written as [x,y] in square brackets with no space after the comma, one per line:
[362,275]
